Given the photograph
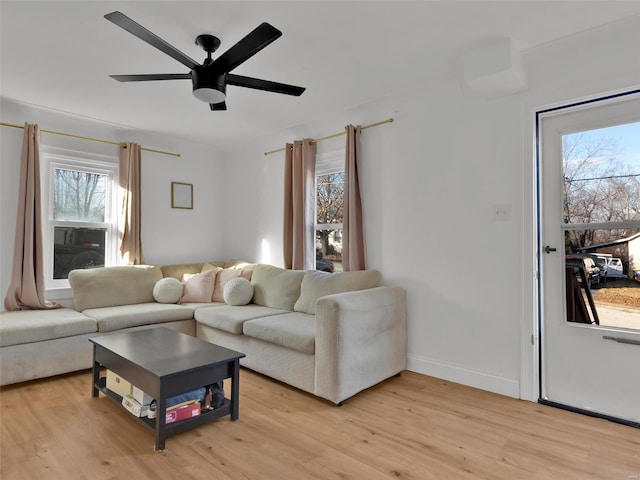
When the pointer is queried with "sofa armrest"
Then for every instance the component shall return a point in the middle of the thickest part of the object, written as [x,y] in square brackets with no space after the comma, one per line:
[361,339]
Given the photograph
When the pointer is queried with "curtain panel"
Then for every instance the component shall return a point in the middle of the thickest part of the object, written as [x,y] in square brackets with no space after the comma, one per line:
[299,205]
[354,254]
[129,220]
[27,288]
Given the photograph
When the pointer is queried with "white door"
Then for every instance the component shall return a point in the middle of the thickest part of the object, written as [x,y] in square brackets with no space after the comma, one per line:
[589,176]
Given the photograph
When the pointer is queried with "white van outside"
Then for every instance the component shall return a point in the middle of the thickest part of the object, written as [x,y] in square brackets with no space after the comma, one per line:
[614,268]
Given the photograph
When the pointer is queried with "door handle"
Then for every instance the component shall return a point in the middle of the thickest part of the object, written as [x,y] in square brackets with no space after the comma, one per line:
[549,249]
[630,341]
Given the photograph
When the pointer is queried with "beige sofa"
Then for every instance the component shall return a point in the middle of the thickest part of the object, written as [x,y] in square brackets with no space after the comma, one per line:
[331,335]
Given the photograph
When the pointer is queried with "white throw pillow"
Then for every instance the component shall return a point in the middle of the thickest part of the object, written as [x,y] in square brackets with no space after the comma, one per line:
[167,290]
[238,291]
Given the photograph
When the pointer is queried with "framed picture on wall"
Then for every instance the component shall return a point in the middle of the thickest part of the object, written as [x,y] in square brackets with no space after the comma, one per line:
[182,195]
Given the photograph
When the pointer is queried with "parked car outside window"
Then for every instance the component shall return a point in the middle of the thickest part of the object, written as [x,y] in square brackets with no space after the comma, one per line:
[601,263]
[591,270]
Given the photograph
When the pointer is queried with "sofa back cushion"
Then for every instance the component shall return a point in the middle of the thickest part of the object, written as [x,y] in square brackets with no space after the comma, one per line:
[111,286]
[276,287]
[319,284]
[179,269]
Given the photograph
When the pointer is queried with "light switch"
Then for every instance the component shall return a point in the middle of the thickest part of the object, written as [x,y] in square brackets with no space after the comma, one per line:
[502,212]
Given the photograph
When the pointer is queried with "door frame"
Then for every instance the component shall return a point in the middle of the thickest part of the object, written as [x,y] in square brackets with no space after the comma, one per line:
[532,348]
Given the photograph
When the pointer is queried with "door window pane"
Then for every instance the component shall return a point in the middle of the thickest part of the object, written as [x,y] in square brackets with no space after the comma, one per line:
[601,201]
[601,170]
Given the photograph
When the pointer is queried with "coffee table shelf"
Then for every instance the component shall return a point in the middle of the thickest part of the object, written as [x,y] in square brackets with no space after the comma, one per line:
[171,428]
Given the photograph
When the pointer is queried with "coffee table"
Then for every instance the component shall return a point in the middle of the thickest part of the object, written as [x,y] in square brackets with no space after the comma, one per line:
[164,363]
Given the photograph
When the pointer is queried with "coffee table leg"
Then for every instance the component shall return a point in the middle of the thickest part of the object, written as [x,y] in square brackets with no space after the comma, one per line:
[235,390]
[96,374]
[161,419]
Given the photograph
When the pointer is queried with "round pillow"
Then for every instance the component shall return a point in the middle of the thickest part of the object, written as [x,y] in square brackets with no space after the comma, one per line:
[167,290]
[238,291]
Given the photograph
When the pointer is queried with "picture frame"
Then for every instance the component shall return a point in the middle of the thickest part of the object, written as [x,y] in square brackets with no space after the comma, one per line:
[182,195]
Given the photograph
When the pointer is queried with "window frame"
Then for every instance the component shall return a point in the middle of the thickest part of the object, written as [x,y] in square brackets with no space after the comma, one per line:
[52,159]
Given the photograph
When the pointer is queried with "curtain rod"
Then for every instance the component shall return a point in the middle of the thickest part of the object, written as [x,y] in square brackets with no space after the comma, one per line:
[388,120]
[120,144]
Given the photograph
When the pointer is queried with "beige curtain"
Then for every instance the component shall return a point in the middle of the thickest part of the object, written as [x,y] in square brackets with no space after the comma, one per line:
[27,288]
[130,217]
[299,206]
[354,255]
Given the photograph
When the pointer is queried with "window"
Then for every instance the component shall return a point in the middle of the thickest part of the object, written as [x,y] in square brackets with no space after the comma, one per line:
[329,210]
[81,221]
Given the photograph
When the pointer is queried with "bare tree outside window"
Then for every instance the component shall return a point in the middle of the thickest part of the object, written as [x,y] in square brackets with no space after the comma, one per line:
[79,196]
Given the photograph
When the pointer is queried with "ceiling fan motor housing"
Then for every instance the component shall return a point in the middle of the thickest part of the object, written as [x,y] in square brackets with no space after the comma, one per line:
[209,85]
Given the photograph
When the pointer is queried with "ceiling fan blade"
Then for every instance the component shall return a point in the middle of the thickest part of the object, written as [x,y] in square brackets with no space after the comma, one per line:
[251,44]
[121,20]
[258,84]
[218,106]
[151,76]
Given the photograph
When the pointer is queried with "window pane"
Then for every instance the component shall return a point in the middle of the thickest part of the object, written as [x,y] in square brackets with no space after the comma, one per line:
[329,250]
[602,175]
[77,248]
[611,267]
[79,196]
[329,198]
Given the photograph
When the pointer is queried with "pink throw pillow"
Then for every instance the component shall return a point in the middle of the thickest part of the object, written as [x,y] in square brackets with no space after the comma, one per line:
[222,278]
[198,288]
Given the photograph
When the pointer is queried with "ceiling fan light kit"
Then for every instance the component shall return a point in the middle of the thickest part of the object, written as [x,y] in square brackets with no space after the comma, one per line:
[208,86]
[210,79]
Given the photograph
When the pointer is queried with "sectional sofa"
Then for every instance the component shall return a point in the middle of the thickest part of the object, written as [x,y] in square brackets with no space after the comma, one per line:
[332,335]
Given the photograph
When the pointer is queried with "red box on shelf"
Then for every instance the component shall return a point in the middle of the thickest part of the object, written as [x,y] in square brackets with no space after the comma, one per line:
[182,412]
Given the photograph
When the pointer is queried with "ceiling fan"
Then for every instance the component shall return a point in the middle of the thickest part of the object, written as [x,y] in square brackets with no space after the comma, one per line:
[210,79]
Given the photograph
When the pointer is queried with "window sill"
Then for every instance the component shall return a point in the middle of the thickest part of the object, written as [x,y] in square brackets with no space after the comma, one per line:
[61,293]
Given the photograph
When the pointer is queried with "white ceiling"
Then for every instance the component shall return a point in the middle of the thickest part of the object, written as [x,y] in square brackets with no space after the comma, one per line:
[58,55]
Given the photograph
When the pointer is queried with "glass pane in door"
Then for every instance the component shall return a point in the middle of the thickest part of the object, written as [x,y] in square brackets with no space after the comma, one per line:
[601,211]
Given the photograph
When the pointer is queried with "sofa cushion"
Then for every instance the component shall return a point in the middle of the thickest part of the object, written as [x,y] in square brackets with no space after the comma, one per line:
[125,316]
[320,284]
[111,286]
[230,318]
[239,264]
[198,287]
[28,326]
[276,287]
[292,330]
[208,267]
[167,290]
[179,269]
[238,291]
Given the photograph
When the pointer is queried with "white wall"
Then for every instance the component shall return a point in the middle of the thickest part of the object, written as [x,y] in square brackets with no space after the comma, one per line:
[431,181]
[168,235]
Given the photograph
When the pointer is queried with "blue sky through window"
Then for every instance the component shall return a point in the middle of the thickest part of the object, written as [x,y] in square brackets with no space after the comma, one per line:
[626,136]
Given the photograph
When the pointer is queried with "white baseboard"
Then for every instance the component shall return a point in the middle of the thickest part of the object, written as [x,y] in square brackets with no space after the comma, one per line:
[465,376]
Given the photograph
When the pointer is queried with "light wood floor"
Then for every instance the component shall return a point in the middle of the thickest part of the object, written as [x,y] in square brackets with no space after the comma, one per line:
[409,427]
